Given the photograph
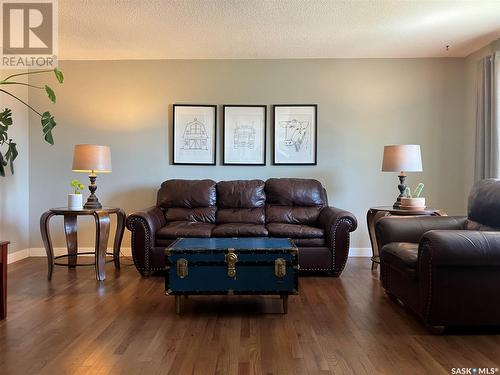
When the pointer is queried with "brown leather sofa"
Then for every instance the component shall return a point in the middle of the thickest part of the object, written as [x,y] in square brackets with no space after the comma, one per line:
[284,207]
[447,269]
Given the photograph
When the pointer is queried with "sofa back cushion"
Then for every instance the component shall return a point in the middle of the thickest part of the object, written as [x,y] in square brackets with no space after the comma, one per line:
[188,200]
[484,204]
[241,201]
[294,200]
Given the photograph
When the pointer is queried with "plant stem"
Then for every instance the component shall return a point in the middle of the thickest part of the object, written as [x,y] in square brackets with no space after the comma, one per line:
[27,73]
[26,104]
[21,83]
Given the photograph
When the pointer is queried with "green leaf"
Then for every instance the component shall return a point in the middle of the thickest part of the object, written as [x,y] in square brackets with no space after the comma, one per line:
[2,164]
[50,93]
[11,155]
[59,75]
[48,123]
[6,118]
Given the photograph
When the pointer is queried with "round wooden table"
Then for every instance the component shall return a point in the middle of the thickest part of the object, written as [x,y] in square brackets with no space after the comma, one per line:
[375,213]
[102,221]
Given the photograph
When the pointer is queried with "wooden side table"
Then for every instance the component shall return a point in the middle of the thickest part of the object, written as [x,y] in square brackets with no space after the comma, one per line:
[375,213]
[102,222]
[3,279]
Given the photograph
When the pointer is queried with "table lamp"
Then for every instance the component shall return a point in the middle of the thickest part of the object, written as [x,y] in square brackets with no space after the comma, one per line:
[402,158]
[92,159]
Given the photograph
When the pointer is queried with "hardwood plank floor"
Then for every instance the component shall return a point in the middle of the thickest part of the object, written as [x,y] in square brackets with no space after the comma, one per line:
[126,325]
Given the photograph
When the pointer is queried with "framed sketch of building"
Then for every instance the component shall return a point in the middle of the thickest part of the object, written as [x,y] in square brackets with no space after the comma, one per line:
[244,135]
[194,134]
[295,134]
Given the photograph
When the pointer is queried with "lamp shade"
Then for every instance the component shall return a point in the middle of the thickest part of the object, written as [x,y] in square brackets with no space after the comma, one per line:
[402,158]
[92,159]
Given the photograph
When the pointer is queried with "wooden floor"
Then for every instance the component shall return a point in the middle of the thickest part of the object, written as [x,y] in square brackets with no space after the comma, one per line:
[127,325]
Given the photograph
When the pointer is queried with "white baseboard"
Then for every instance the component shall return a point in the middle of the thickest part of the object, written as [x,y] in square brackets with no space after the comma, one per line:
[18,255]
[355,252]
[40,251]
[126,251]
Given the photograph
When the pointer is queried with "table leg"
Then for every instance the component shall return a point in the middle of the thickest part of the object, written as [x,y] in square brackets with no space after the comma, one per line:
[284,299]
[120,228]
[70,228]
[3,281]
[371,219]
[47,242]
[101,243]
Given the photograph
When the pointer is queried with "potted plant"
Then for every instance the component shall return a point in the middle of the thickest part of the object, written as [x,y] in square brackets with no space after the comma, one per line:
[415,201]
[8,148]
[75,201]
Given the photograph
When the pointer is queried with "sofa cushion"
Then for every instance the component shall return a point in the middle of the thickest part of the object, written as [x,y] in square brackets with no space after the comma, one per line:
[241,215]
[187,194]
[294,231]
[295,192]
[177,229]
[239,230]
[405,252]
[241,194]
[241,202]
[292,215]
[198,214]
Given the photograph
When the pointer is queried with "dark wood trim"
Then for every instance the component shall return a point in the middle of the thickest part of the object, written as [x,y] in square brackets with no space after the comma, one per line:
[214,106]
[315,133]
[224,134]
[3,278]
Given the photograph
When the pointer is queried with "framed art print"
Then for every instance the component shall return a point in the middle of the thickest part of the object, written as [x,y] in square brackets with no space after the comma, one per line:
[244,135]
[295,134]
[194,134]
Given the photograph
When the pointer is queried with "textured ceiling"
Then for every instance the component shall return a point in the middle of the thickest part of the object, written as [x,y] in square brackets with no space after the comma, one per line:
[247,29]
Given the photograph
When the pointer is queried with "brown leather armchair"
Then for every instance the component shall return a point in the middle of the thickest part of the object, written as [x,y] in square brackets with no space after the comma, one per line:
[446,269]
[279,207]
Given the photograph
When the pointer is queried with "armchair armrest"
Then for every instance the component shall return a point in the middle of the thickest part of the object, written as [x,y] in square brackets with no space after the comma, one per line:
[455,269]
[460,248]
[337,225]
[143,225]
[411,229]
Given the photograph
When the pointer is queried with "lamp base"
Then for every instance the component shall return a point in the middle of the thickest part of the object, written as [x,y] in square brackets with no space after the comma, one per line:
[397,204]
[402,188]
[92,203]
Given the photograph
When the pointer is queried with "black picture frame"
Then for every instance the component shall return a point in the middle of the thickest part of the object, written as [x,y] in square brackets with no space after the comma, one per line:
[264,138]
[315,129]
[174,126]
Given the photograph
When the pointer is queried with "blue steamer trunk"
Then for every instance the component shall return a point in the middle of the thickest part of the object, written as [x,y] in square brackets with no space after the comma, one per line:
[265,266]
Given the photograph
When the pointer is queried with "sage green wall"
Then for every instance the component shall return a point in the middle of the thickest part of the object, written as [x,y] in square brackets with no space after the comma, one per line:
[364,104]
[14,191]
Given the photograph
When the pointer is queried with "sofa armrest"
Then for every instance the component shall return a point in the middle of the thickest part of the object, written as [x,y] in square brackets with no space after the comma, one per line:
[143,225]
[411,229]
[337,224]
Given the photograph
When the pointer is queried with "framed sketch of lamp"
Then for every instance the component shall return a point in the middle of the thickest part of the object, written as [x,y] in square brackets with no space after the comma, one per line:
[402,159]
[92,159]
